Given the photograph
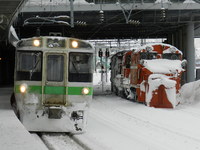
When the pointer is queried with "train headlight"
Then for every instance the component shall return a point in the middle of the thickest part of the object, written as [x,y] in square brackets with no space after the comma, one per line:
[36,43]
[85,91]
[23,88]
[74,44]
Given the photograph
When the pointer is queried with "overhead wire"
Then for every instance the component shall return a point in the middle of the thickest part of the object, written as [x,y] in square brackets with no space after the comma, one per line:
[101,27]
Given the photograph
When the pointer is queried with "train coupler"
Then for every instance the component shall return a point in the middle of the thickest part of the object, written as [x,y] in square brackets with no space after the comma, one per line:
[55,112]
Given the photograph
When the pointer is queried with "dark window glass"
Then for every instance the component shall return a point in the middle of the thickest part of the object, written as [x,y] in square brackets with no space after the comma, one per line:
[55,68]
[28,42]
[80,67]
[55,43]
[29,66]
[147,55]
[128,61]
[171,56]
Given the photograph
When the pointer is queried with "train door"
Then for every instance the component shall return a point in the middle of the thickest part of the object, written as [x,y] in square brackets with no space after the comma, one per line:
[54,79]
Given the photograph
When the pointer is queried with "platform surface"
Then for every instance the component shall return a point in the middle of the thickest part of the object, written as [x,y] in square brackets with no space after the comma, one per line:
[13,135]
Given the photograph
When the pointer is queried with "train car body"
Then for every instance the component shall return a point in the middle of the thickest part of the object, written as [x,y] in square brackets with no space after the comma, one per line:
[116,71]
[53,83]
[151,74]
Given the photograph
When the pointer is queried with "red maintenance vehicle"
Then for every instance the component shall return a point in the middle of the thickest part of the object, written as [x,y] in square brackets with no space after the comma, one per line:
[150,74]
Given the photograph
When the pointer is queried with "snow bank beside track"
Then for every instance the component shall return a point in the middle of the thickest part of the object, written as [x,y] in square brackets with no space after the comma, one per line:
[190,92]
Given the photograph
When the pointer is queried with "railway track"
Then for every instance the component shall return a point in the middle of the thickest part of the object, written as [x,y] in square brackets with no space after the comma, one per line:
[59,141]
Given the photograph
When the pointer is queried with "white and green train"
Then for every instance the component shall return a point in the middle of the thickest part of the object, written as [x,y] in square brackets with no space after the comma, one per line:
[53,83]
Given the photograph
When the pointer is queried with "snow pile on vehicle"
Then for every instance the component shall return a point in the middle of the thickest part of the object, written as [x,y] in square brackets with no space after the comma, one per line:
[155,80]
[190,92]
[159,67]
[153,44]
[163,66]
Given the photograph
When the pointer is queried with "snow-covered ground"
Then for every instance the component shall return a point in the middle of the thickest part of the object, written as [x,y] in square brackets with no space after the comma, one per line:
[118,124]
[115,123]
[13,135]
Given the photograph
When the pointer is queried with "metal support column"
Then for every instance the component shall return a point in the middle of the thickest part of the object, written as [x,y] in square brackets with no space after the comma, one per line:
[177,39]
[173,38]
[190,52]
[180,38]
[72,13]
[169,39]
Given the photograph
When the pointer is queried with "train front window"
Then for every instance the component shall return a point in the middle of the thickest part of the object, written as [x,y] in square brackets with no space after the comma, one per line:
[172,56]
[29,66]
[148,55]
[80,67]
[55,68]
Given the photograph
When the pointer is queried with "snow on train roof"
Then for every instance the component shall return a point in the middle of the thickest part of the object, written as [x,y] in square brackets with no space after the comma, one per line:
[152,44]
[163,65]
[52,37]
[55,37]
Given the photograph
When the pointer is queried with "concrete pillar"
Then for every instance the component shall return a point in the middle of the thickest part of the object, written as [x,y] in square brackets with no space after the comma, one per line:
[184,41]
[180,38]
[177,42]
[173,39]
[190,52]
[1,66]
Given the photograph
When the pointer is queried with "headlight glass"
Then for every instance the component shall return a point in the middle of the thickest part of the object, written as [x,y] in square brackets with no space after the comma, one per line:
[36,43]
[85,91]
[74,44]
[23,88]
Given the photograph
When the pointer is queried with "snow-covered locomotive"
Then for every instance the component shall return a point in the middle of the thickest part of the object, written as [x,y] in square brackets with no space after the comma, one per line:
[150,74]
[53,83]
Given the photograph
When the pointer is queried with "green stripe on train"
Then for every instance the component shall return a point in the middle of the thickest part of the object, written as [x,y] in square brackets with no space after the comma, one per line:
[57,90]
[31,89]
[78,90]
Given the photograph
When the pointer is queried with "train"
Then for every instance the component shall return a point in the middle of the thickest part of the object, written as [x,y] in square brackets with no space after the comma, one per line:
[53,83]
[151,74]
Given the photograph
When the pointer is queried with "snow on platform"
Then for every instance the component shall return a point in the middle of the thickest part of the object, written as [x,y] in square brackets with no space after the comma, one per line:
[13,135]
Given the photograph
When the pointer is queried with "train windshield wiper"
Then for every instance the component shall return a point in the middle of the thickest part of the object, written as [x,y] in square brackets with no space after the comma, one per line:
[35,66]
[75,68]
